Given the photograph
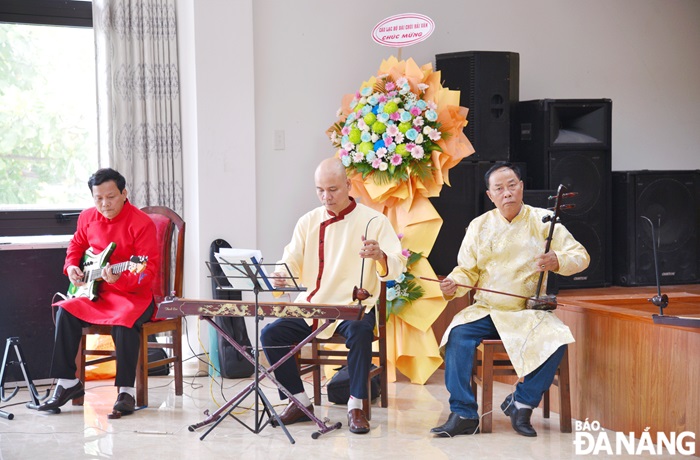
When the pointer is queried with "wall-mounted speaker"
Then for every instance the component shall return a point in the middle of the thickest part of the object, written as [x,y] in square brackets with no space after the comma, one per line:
[489,83]
[568,142]
[671,201]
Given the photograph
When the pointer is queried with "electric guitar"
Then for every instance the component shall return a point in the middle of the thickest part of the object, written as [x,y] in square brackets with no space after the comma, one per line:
[92,266]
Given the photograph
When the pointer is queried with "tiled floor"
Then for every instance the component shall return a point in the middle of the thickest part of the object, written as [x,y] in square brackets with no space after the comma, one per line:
[161,430]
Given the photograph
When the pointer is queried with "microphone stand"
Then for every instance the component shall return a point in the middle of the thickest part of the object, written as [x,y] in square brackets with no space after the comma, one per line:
[659,300]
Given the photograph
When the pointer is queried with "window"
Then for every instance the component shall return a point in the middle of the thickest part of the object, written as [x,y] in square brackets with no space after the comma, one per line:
[48,110]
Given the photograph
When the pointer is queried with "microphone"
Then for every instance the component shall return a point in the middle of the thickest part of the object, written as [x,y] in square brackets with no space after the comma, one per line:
[659,300]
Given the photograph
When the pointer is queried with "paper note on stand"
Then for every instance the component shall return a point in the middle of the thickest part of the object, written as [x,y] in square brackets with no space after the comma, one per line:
[230,262]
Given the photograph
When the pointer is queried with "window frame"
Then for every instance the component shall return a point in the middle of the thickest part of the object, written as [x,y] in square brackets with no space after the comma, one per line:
[47,12]
[70,13]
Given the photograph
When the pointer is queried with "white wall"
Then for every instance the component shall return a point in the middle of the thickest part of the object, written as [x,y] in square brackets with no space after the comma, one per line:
[215,43]
[251,68]
[218,113]
[642,54]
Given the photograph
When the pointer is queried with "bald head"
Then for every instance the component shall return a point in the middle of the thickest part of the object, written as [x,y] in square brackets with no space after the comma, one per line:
[330,167]
[332,185]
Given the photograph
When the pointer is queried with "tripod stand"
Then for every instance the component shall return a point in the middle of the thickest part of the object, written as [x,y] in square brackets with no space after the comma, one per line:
[13,343]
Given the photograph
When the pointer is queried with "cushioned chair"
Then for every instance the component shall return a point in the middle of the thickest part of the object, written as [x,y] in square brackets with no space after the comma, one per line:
[321,356]
[170,230]
[491,359]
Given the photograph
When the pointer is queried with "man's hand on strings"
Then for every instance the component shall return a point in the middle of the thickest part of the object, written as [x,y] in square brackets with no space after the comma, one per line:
[75,275]
[547,262]
[371,250]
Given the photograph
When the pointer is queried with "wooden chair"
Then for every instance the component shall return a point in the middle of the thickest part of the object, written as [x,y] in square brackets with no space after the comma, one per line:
[321,356]
[491,359]
[170,230]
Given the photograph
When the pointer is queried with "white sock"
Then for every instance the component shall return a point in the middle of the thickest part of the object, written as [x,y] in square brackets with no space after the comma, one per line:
[129,390]
[519,405]
[67,383]
[354,403]
[303,399]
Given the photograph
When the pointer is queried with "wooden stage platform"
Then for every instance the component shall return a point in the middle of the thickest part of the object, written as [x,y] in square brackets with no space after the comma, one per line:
[627,372]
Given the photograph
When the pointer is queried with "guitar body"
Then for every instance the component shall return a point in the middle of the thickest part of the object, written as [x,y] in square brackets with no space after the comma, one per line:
[92,266]
[90,263]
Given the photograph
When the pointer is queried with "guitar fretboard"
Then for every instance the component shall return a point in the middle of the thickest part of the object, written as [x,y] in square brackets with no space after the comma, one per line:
[96,273]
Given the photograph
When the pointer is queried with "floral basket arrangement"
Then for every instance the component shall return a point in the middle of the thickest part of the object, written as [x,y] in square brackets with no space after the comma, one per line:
[398,135]
[401,124]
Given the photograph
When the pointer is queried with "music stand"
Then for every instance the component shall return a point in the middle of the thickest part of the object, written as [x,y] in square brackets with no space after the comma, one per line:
[254,272]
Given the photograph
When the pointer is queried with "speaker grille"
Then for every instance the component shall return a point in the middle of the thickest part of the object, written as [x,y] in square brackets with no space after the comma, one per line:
[584,172]
[488,82]
[667,202]
[670,200]
[578,172]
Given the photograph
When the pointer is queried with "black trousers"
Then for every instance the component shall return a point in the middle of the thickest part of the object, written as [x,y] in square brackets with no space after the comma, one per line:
[278,337]
[127,342]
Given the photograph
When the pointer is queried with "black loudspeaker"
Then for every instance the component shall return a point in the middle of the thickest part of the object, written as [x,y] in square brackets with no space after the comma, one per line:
[489,83]
[457,205]
[567,141]
[29,278]
[671,200]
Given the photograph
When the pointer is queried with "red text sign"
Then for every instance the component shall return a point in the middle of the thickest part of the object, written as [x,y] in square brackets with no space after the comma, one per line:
[403,30]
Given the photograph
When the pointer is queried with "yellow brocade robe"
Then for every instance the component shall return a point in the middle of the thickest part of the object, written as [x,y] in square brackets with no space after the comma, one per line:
[499,255]
[324,254]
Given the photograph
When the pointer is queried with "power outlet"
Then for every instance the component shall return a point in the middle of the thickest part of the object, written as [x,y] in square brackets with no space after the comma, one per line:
[279,139]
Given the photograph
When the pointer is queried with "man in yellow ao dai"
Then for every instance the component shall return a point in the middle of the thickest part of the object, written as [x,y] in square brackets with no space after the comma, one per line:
[326,253]
[503,250]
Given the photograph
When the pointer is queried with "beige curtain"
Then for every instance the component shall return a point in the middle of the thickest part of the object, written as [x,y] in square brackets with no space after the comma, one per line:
[139,98]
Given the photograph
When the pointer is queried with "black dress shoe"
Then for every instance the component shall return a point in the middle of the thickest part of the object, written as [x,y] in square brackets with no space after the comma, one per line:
[125,404]
[456,425]
[292,414]
[519,418]
[62,395]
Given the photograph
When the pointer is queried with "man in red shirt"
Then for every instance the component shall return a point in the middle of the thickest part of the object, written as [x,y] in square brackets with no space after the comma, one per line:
[124,299]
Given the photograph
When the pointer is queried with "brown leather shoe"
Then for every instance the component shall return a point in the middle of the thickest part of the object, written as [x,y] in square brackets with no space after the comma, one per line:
[292,414]
[357,422]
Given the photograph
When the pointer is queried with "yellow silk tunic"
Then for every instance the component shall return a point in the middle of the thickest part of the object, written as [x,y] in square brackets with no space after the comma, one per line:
[324,254]
[499,255]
